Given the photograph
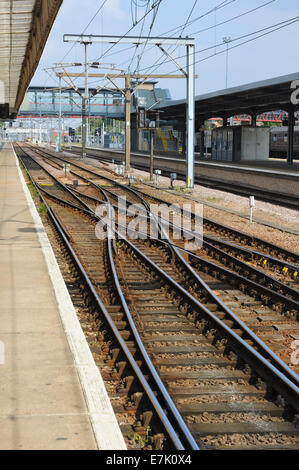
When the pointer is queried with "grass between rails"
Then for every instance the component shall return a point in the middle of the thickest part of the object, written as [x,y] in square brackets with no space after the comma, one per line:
[41,206]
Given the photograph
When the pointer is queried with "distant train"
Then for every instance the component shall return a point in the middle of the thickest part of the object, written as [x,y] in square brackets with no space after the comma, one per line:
[278,142]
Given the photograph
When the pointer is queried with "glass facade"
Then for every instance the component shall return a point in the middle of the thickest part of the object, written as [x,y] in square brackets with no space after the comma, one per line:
[104,104]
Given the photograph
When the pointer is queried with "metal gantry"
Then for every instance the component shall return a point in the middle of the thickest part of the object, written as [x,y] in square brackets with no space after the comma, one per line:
[189,74]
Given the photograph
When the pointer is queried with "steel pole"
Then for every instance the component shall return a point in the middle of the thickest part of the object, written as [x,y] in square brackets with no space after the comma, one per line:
[152,155]
[227,40]
[226,81]
[190,128]
[128,123]
[291,137]
[40,121]
[59,133]
[84,104]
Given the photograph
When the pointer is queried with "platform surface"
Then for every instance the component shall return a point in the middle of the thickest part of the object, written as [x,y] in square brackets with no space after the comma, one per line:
[272,165]
[42,405]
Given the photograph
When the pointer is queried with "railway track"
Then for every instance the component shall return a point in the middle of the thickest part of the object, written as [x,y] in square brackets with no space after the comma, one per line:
[281,199]
[257,298]
[178,330]
[254,247]
[274,260]
[121,356]
[218,233]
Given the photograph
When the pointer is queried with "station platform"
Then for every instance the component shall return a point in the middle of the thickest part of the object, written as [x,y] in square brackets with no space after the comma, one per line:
[272,165]
[52,396]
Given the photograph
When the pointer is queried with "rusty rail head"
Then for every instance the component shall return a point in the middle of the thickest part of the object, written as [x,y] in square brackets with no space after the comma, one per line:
[181,440]
[268,371]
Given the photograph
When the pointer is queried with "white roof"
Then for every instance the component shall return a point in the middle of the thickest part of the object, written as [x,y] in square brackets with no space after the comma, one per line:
[15,26]
[24,29]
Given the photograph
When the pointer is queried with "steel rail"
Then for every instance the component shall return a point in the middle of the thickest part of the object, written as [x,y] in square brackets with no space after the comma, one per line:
[161,387]
[61,185]
[283,298]
[267,351]
[285,200]
[247,238]
[266,370]
[218,225]
[291,377]
[289,295]
[250,252]
[173,434]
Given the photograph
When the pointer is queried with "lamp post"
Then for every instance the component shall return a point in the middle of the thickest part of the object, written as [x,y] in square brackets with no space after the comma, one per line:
[227,40]
[59,119]
[40,119]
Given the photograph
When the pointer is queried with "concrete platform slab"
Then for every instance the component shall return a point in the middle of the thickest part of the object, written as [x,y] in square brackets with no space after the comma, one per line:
[52,432]
[51,393]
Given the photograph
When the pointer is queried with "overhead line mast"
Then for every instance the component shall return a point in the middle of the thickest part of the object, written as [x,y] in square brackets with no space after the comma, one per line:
[189,74]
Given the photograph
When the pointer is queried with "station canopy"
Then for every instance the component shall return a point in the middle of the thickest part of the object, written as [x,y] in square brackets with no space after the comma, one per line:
[253,98]
[24,29]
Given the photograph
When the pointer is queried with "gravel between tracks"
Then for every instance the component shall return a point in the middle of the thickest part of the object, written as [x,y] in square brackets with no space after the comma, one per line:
[269,212]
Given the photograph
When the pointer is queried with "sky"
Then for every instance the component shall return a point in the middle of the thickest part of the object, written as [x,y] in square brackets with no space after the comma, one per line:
[270,56]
